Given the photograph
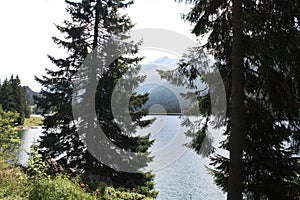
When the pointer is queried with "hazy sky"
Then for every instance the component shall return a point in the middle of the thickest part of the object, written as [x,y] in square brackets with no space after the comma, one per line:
[27,28]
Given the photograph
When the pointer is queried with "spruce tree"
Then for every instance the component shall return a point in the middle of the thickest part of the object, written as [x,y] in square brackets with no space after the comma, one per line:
[271,38]
[6,98]
[19,99]
[92,22]
[13,97]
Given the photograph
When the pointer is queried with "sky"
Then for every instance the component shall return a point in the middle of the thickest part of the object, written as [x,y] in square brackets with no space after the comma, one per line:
[27,28]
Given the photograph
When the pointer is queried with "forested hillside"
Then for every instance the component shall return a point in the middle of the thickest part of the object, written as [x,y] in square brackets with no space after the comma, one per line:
[29,95]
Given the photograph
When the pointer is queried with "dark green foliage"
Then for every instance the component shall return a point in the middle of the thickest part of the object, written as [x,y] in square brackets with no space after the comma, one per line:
[92,22]
[12,98]
[271,44]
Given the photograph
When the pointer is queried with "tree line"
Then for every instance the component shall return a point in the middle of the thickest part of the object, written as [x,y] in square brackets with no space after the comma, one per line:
[12,98]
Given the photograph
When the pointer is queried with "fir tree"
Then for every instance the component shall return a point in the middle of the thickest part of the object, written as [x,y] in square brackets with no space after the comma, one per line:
[92,22]
[18,94]
[12,97]
[270,36]
[6,95]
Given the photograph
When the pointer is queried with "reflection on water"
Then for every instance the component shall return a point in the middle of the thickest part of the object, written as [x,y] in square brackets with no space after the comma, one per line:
[29,137]
[179,172]
[185,176]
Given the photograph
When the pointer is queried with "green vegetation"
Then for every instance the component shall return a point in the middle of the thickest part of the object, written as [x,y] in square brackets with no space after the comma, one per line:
[33,121]
[15,184]
[91,26]
[257,56]
[33,182]
[9,140]
[58,187]
[12,98]
[255,47]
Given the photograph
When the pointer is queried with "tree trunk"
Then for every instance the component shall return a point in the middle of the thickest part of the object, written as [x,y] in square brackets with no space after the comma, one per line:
[91,90]
[96,25]
[235,182]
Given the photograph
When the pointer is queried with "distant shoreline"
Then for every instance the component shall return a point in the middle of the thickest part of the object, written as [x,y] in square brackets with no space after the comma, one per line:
[177,114]
[33,122]
[25,128]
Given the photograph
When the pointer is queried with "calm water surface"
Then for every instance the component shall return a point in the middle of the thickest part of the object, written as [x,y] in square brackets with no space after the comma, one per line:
[29,137]
[179,172]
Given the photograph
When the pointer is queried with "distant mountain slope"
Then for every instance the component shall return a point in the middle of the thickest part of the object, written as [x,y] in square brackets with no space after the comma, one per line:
[29,94]
[161,95]
[160,91]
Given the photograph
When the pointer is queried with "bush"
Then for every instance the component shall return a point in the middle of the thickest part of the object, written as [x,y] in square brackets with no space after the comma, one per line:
[9,140]
[113,194]
[59,187]
[36,184]
[15,184]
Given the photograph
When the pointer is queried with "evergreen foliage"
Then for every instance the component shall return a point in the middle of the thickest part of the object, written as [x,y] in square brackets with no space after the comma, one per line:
[92,22]
[271,38]
[12,98]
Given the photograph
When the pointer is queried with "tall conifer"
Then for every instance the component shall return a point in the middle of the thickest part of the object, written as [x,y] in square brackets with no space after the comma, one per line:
[92,22]
[271,38]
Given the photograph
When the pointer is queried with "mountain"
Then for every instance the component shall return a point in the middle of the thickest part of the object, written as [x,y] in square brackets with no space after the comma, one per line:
[165,61]
[163,97]
[29,94]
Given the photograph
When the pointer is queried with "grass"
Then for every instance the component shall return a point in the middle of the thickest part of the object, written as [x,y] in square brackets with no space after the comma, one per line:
[13,183]
[33,121]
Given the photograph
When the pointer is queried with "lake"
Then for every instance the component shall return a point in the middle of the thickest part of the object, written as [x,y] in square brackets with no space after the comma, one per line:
[29,137]
[179,172]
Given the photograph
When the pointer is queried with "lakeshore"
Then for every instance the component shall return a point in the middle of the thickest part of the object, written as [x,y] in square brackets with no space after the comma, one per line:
[31,123]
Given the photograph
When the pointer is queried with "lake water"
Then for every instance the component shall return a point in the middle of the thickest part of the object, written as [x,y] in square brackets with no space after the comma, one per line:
[29,137]
[179,172]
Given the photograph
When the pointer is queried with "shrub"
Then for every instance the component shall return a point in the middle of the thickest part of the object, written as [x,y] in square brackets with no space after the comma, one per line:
[59,187]
[113,194]
[9,140]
